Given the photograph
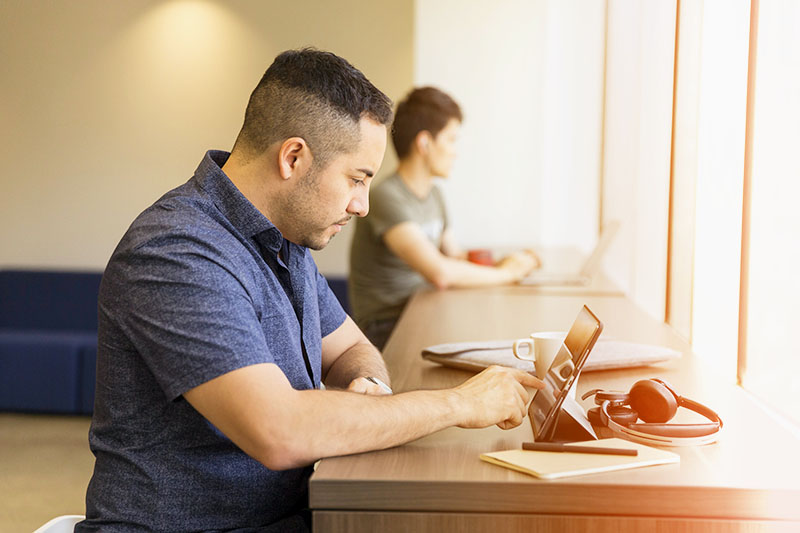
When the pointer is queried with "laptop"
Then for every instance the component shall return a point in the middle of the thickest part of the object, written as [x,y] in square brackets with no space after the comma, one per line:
[589,268]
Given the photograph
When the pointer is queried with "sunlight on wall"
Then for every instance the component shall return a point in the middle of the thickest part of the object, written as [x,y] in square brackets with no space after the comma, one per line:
[107,105]
[111,115]
[184,64]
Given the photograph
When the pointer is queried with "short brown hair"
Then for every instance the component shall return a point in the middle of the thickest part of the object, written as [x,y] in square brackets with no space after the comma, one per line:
[424,109]
[315,95]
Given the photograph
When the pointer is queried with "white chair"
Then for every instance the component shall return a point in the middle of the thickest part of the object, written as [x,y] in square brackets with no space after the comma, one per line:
[61,524]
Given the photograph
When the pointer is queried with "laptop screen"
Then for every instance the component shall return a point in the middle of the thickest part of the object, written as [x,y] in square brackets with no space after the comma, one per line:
[592,263]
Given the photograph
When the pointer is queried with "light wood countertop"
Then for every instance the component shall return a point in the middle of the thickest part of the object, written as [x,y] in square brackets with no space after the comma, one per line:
[751,473]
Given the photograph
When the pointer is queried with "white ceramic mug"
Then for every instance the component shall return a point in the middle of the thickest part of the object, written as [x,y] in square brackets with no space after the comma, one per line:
[542,349]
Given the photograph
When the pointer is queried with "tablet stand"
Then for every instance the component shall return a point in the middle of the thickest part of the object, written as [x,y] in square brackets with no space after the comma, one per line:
[572,424]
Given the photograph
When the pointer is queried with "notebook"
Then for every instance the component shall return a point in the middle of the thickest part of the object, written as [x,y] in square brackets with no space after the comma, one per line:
[589,268]
[554,465]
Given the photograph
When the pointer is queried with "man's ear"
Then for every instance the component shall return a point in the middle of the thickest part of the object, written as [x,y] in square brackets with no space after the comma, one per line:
[422,141]
[294,158]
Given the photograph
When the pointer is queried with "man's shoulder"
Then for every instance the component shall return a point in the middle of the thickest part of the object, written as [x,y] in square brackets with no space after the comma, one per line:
[438,195]
[390,195]
[179,239]
[391,186]
[183,217]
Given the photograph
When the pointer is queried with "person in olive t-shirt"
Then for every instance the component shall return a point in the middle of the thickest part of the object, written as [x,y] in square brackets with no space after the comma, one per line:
[405,242]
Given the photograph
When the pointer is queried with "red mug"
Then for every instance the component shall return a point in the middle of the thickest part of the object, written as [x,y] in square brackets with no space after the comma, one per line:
[481,256]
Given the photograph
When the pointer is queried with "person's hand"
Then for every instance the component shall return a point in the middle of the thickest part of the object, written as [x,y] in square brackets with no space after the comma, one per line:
[365,386]
[531,252]
[519,264]
[496,396]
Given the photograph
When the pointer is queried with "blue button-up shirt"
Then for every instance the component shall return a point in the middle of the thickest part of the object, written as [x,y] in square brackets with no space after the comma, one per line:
[195,289]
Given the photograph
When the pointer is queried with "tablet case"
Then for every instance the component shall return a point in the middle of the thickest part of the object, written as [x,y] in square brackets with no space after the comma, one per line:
[606,354]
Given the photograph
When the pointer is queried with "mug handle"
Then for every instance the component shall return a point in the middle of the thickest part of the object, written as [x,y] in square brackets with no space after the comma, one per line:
[529,356]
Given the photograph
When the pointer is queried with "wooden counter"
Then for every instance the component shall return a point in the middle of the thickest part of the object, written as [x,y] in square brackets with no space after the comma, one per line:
[748,481]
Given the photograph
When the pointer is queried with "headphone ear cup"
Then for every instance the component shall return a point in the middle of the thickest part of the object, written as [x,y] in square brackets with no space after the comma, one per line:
[594,416]
[611,396]
[623,416]
[653,400]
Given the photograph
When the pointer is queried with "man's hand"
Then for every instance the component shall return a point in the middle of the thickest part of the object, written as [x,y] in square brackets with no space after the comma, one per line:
[496,396]
[365,386]
[519,264]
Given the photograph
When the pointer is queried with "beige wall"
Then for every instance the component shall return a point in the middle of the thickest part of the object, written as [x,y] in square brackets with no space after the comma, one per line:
[529,77]
[104,106]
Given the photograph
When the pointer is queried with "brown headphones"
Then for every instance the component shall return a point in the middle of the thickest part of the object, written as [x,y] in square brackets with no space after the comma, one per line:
[655,402]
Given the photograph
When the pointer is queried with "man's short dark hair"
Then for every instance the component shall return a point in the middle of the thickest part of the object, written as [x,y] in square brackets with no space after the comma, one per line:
[424,109]
[315,95]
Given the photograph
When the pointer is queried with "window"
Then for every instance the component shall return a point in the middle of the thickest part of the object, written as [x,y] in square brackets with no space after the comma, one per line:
[769,352]
[734,285]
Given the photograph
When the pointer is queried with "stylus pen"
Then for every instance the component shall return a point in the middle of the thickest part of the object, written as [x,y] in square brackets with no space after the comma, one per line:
[560,447]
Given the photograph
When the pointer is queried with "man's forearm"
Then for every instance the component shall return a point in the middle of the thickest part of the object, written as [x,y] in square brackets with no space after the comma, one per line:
[257,408]
[461,273]
[361,360]
[341,423]
[347,423]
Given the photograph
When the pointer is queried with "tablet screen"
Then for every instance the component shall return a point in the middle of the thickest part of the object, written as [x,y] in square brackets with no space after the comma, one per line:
[561,375]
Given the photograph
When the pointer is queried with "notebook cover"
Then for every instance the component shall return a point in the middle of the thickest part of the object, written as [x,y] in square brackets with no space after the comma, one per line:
[554,465]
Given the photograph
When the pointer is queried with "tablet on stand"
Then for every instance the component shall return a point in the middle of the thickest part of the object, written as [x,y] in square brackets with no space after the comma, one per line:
[555,417]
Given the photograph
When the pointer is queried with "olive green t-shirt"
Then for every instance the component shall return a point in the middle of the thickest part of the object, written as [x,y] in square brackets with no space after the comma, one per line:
[381,283]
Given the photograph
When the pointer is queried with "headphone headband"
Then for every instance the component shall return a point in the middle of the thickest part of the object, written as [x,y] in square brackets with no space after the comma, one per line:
[701,409]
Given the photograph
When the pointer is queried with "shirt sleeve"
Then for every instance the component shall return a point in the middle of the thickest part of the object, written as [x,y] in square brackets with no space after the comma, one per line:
[185,312]
[387,209]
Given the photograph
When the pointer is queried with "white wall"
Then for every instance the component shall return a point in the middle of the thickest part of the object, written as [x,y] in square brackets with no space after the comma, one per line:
[638,125]
[104,106]
[529,78]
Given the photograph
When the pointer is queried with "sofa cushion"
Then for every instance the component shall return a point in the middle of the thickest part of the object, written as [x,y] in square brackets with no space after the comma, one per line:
[45,371]
[339,288]
[88,373]
[49,300]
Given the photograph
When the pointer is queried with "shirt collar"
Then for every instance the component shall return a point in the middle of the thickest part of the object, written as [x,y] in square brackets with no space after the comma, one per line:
[244,216]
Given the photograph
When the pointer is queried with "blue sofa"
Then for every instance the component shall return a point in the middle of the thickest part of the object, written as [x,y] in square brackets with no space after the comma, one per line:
[48,339]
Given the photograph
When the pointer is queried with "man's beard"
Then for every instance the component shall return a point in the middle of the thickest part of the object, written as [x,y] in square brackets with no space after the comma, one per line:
[316,240]
[300,206]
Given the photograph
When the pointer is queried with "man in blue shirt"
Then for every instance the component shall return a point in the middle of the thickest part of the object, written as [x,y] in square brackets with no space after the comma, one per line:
[216,330]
